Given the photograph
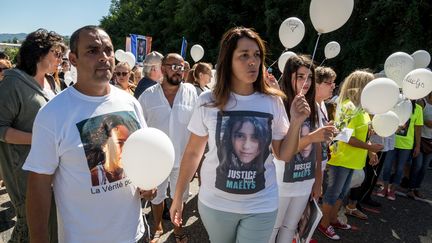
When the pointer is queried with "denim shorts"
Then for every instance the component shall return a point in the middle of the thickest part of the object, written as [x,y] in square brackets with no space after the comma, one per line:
[339,181]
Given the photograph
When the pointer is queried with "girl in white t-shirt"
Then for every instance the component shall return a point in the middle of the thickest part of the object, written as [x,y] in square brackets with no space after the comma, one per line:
[302,176]
[241,118]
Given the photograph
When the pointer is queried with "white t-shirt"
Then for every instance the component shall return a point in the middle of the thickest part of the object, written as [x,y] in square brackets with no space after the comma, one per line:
[296,177]
[70,136]
[238,174]
[173,120]
[323,121]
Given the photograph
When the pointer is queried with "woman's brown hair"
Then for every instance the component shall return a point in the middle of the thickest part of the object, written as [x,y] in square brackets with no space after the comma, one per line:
[291,67]
[228,44]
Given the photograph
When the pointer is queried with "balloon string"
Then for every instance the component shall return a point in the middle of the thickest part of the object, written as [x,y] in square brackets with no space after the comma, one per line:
[323,62]
[313,57]
[286,49]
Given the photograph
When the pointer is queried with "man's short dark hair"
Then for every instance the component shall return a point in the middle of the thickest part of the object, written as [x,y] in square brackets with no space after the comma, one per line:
[74,39]
[36,46]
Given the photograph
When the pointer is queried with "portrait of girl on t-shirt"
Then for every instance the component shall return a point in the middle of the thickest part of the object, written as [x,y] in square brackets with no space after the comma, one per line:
[242,151]
[103,138]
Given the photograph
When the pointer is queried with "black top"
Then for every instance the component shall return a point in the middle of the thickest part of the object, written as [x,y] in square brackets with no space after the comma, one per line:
[143,84]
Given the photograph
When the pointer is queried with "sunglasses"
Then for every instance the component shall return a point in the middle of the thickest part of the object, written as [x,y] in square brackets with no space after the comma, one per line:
[176,68]
[121,73]
[57,54]
[3,68]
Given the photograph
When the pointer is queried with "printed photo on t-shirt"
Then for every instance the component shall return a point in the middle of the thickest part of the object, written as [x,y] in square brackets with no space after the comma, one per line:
[403,130]
[243,142]
[302,166]
[103,138]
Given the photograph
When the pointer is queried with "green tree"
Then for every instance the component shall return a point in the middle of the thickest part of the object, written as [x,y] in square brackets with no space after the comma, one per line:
[375,29]
[12,53]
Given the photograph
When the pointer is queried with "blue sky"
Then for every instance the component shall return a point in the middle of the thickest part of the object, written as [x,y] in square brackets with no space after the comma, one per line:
[63,17]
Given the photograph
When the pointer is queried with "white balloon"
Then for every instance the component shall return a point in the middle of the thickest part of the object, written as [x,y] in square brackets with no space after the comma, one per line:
[332,49]
[291,32]
[130,59]
[403,109]
[385,124]
[379,95]
[197,52]
[148,157]
[120,55]
[397,65]
[284,58]
[421,58]
[330,15]
[417,84]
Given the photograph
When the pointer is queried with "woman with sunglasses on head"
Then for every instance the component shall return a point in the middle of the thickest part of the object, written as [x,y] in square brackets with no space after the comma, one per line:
[122,73]
[24,90]
[301,177]
[239,204]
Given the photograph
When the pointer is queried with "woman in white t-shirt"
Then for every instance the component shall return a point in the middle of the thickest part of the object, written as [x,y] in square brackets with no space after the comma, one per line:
[302,176]
[238,193]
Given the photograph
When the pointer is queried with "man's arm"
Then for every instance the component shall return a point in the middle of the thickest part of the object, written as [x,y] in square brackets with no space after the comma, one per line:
[15,136]
[38,203]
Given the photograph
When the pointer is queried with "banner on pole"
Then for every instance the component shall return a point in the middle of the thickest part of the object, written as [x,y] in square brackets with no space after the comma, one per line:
[140,46]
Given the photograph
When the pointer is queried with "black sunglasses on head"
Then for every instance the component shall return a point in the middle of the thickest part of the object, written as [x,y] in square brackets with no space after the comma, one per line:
[3,68]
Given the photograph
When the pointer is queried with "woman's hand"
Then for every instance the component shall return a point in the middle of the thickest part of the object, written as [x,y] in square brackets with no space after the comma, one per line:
[300,109]
[373,158]
[316,191]
[271,80]
[322,134]
[147,194]
[176,211]
[375,147]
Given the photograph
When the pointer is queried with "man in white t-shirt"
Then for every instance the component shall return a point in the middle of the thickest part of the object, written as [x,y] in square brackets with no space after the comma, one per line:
[168,106]
[76,149]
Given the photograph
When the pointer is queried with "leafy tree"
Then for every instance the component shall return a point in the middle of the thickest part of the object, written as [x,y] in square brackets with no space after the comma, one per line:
[375,29]
[12,53]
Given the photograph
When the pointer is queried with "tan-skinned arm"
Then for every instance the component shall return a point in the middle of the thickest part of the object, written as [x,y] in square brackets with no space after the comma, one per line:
[317,186]
[38,203]
[15,136]
[417,137]
[322,134]
[188,165]
[373,147]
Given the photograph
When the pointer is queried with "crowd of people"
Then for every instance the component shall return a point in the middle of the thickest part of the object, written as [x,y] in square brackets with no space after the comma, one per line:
[262,147]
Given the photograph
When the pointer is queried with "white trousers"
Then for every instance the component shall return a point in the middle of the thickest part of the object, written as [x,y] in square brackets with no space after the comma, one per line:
[289,214]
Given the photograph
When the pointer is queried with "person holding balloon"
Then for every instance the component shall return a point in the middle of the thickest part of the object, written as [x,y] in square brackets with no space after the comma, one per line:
[302,176]
[242,206]
[350,156]
[59,157]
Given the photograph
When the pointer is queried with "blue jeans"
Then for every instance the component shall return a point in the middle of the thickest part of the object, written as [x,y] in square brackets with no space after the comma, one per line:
[400,157]
[418,169]
[339,181]
[226,227]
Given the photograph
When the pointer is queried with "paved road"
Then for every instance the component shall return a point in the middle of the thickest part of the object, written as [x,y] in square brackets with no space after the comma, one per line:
[403,220]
